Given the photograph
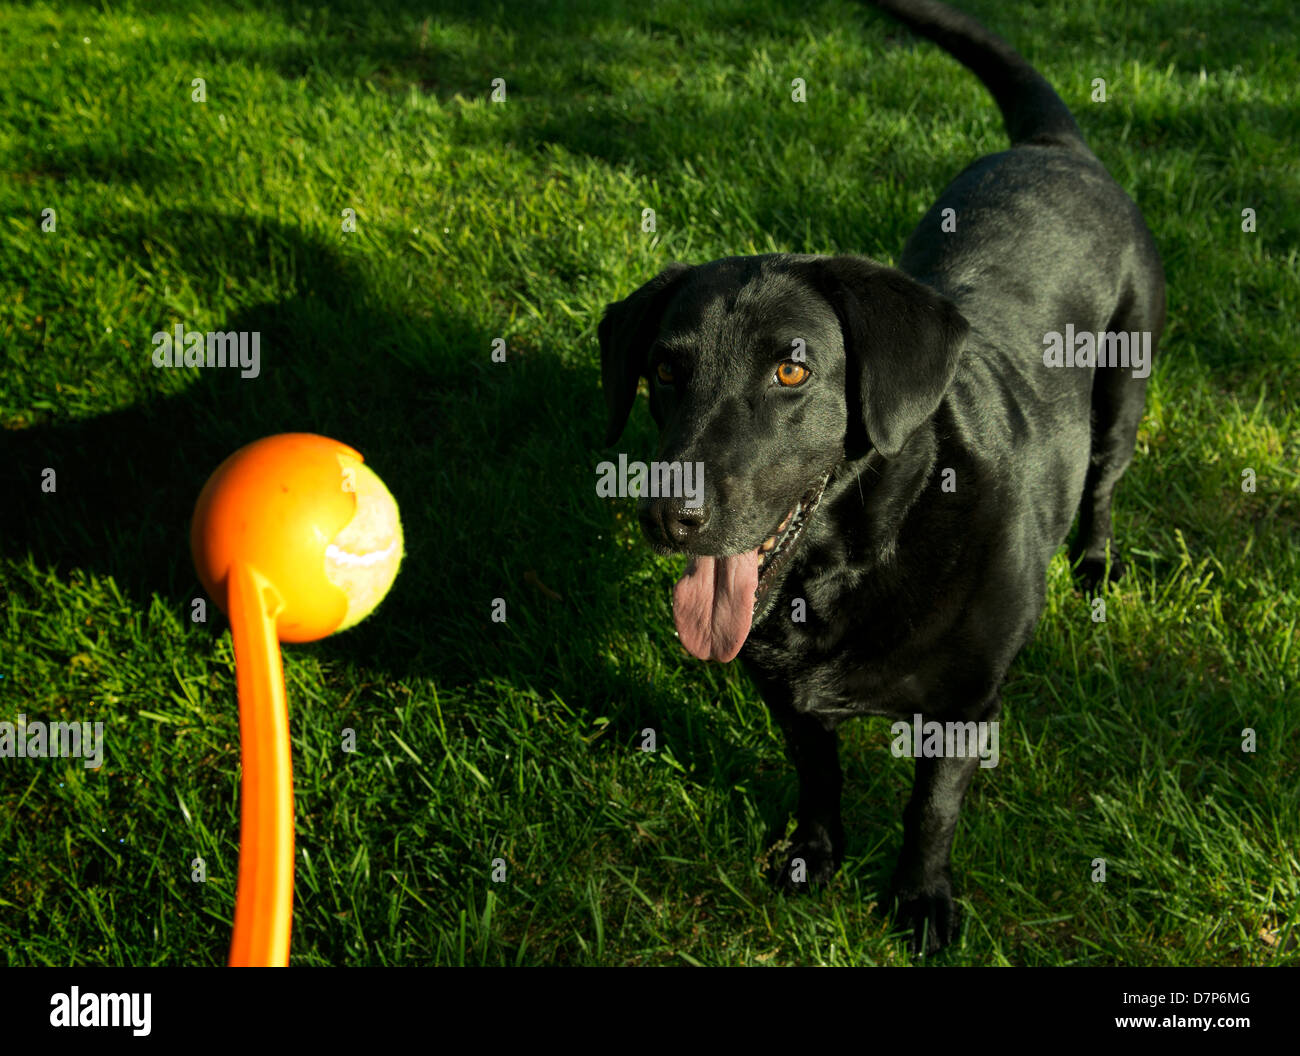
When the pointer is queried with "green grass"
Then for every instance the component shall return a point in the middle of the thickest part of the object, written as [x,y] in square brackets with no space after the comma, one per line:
[1120,740]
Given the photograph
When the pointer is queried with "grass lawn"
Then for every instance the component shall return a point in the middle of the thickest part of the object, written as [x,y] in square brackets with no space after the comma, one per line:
[519,220]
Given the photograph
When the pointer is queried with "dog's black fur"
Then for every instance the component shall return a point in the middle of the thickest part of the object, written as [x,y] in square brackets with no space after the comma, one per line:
[917,597]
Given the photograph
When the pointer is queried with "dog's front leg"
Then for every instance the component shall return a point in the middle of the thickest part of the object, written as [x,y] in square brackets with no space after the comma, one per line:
[817,847]
[922,882]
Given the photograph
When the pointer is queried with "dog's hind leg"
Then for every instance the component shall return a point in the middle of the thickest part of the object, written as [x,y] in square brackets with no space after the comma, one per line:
[1117,401]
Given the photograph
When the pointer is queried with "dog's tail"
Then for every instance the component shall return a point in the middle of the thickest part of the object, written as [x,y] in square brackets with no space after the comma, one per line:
[1031,109]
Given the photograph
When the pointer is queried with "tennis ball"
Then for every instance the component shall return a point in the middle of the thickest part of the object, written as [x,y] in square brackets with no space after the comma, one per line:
[362,560]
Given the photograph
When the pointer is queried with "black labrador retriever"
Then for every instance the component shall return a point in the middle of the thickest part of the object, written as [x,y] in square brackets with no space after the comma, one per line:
[892,456]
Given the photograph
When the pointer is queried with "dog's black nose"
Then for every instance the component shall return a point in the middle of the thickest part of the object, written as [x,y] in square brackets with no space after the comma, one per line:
[670,521]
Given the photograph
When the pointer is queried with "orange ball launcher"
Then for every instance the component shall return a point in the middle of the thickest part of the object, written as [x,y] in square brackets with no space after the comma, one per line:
[259,536]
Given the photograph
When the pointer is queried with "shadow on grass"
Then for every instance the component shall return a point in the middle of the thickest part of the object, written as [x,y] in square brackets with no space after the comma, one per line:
[490,463]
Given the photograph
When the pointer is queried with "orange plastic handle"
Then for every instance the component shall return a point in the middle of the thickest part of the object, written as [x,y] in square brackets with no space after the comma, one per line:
[264,898]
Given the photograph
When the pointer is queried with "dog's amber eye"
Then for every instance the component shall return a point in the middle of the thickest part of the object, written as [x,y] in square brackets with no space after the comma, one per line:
[664,373]
[791,373]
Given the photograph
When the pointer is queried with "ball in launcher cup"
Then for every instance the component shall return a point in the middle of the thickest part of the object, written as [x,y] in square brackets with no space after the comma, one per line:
[315,524]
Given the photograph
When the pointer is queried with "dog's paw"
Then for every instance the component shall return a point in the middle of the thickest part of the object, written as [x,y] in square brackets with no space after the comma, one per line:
[1091,572]
[927,911]
[810,861]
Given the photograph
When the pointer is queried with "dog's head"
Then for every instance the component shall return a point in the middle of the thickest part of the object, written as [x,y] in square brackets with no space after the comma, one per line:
[766,372]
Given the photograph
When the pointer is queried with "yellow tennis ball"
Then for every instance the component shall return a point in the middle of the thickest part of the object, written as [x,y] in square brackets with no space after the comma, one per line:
[362,559]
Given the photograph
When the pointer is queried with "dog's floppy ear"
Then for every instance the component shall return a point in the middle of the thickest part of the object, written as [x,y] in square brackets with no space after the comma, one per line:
[626,331]
[902,340]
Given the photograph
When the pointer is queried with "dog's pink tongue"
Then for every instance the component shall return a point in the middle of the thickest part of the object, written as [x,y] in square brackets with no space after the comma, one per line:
[713,604]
